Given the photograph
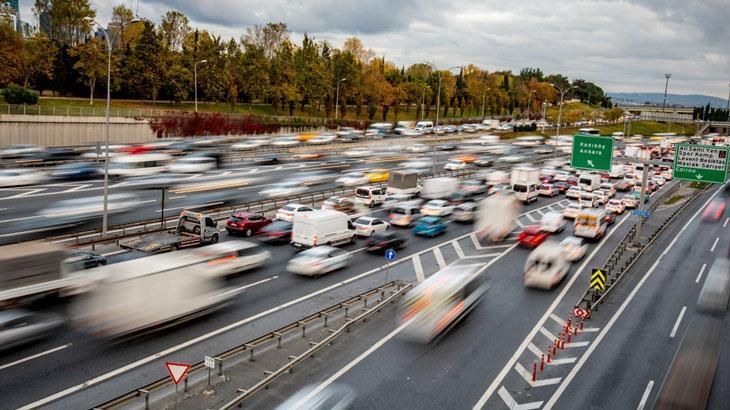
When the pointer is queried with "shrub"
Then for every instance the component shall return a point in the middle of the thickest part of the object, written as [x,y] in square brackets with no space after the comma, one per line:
[16,94]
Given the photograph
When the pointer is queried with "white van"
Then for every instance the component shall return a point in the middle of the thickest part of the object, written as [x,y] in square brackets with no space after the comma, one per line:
[590,223]
[552,222]
[425,127]
[370,195]
[587,200]
[545,267]
[589,182]
[321,227]
[138,165]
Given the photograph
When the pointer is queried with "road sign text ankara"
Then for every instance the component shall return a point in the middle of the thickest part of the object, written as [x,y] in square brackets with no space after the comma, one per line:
[701,163]
[592,152]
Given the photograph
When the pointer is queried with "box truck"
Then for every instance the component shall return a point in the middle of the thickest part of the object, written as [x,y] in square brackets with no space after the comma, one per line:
[321,227]
[525,182]
[403,183]
[439,188]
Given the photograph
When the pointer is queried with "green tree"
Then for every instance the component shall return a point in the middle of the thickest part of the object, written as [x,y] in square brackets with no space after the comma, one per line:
[91,64]
[11,49]
[142,70]
[123,17]
[174,29]
[66,22]
[36,60]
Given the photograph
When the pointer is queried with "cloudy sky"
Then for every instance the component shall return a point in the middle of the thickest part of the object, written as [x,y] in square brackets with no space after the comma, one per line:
[623,45]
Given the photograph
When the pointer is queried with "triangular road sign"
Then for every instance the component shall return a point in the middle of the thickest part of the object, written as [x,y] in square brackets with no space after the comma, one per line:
[177,370]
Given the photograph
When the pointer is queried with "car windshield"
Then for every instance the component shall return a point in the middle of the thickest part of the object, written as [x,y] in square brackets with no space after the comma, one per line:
[519,188]
[362,221]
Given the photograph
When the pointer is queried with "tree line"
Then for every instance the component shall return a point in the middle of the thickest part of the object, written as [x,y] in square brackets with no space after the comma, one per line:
[709,113]
[158,62]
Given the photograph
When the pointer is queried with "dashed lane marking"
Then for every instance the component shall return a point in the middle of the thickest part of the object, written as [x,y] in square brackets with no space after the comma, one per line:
[699,275]
[418,268]
[439,258]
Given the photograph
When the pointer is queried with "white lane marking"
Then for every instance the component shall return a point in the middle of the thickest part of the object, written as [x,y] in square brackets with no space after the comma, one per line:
[35,356]
[78,188]
[439,258]
[576,344]
[500,377]
[725,223]
[177,197]
[458,249]
[193,176]
[553,362]
[555,210]
[143,202]
[531,218]
[24,194]
[225,173]
[22,218]
[551,337]
[699,275]
[535,350]
[645,396]
[418,268]
[513,405]
[475,241]
[714,244]
[115,253]
[528,377]
[256,186]
[497,246]
[590,329]
[621,308]
[486,255]
[677,323]
[539,211]
[520,224]
[557,320]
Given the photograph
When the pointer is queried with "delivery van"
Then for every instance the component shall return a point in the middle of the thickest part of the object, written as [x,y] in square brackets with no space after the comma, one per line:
[321,227]
[587,200]
[589,182]
[370,195]
[590,223]
[546,266]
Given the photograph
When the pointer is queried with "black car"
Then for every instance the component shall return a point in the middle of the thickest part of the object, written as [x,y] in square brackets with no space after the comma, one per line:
[562,186]
[76,171]
[267,160]
[276,232]
[484,161]
[382,241]
[82,260]
[448,147]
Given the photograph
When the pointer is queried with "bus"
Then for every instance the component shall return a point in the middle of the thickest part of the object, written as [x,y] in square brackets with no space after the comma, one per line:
[139,165]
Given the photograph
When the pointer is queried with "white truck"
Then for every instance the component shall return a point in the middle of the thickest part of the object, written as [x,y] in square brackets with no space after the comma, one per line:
[490,124]
[496,216]
[321,227]
[589,182]
[525,182]
[590,223]
[193,229]
[403,183]
[30,270]
[617,172]
[439,188]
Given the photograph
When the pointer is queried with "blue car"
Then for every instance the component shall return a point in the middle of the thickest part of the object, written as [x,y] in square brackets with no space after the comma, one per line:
[76,171]
[429,226]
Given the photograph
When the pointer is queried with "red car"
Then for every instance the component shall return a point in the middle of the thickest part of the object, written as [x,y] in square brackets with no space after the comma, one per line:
[714,211]
[532,236]
[246,223]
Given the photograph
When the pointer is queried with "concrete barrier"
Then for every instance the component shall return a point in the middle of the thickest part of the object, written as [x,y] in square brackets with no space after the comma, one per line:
[53,130]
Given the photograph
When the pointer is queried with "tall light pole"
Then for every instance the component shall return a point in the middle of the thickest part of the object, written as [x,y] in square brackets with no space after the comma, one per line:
[666,86]
[195,70]
[438,94]
[337,97]
[544,111]
[484,100]
[529,100]
[560,115]
[423,100]
[105,211]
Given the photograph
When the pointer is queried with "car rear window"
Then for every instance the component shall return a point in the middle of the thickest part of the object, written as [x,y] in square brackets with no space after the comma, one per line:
[289,208]
[362,221]
[363,192]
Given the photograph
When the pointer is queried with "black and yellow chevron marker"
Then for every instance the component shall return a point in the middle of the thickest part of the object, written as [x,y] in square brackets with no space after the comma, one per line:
[598,280]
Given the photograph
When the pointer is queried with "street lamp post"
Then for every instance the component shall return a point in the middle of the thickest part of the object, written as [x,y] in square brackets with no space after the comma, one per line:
[484,100]
[105,211]
[423,100]
[544,111]
[529,100]
[728,110]
[438,92]
[195,70]
[560,115]
[666,86]
[337,98]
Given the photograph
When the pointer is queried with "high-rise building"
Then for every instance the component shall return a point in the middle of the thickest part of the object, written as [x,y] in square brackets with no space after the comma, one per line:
[15,7]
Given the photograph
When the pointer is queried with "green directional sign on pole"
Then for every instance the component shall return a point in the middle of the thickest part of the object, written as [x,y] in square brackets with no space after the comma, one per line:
[592,152]
[700,163]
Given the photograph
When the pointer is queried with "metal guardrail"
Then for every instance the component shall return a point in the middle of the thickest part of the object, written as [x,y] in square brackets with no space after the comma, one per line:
[382,295]
[628,251]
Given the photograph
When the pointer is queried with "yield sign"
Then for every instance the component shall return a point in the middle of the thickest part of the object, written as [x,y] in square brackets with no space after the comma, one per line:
[177,370]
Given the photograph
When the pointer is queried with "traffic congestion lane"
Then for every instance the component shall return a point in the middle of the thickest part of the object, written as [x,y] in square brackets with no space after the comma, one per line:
[638,350]
[100,359]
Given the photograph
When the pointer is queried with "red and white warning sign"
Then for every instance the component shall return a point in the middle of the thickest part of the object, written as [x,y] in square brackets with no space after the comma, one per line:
[177,370]
[581,313]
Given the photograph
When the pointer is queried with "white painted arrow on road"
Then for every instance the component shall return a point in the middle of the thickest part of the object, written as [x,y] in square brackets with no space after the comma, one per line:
[512,404]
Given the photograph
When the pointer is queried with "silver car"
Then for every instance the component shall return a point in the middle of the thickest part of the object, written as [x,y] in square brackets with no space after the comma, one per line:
[18,326]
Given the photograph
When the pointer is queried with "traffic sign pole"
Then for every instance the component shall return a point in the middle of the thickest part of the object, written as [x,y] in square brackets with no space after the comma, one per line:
[389,256]
[642,196]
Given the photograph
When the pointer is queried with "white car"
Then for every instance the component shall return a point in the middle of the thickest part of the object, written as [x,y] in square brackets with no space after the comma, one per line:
[629,201]
[287,212]
[572,210]
[659,180]
[601,196]
[616,206]
[318,260]
[284,189]
[552,222]
[322,139]
[234,256]
[455,165]
[497,177]
[314,177]
[667,175]
[417,163]
[20,177]
[358,153]
[436,207]
[193,164]
[367,225]
[352,179]
[573,248]
[246,145]
[418,148]
[573,192]
[285,142]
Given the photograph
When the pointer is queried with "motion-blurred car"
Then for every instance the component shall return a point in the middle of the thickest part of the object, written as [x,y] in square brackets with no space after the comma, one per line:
[20,177]
[437,207]
[552,222]
[418,148]
[246,223]
[332,397]
[18,327]
[714,210]
[75,171]
[193,164]
[572,210]
[268,159]
[532,236]
[545,267]
[318,261]
[358,153]
[548,190]
[367,225]
[610,218]
[82,260]
[429,226]
[440,302]
[230,257]
[616,206]
[378,175]
[314,177]
[630,201]
[484,161]
[322,139]
[455,165]
[352,179]
[19,150]
[285,141]
[573,248]
[465,212]
[287,212]
[249,144]
[276,232]
[405,214]
[382,241]
[339,203]
[475,186]
[283,189]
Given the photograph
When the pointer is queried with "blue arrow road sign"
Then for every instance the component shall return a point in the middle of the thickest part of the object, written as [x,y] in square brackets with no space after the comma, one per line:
[644,213]
[390,255]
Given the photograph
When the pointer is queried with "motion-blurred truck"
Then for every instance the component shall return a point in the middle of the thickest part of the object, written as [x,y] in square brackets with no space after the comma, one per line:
[30,270]
[193,229]
[496,216]
[403,183]
[439,188]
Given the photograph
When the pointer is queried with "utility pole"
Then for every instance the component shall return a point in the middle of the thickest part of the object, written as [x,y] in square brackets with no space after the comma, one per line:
[484,99]
[728,111]
[666,86]
[337,98]
[195,70]
[423,101]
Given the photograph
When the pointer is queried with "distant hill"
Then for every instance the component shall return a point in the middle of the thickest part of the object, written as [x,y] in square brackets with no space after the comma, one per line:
[690,100]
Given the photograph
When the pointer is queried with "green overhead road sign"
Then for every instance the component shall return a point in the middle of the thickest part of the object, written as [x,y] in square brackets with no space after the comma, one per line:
[592,152]
[700,163]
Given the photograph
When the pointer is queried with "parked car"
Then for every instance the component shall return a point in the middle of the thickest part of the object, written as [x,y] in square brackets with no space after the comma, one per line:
[429,226]
[382,241]
[532,236]
[367,225]
[318,261]
[246,223]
